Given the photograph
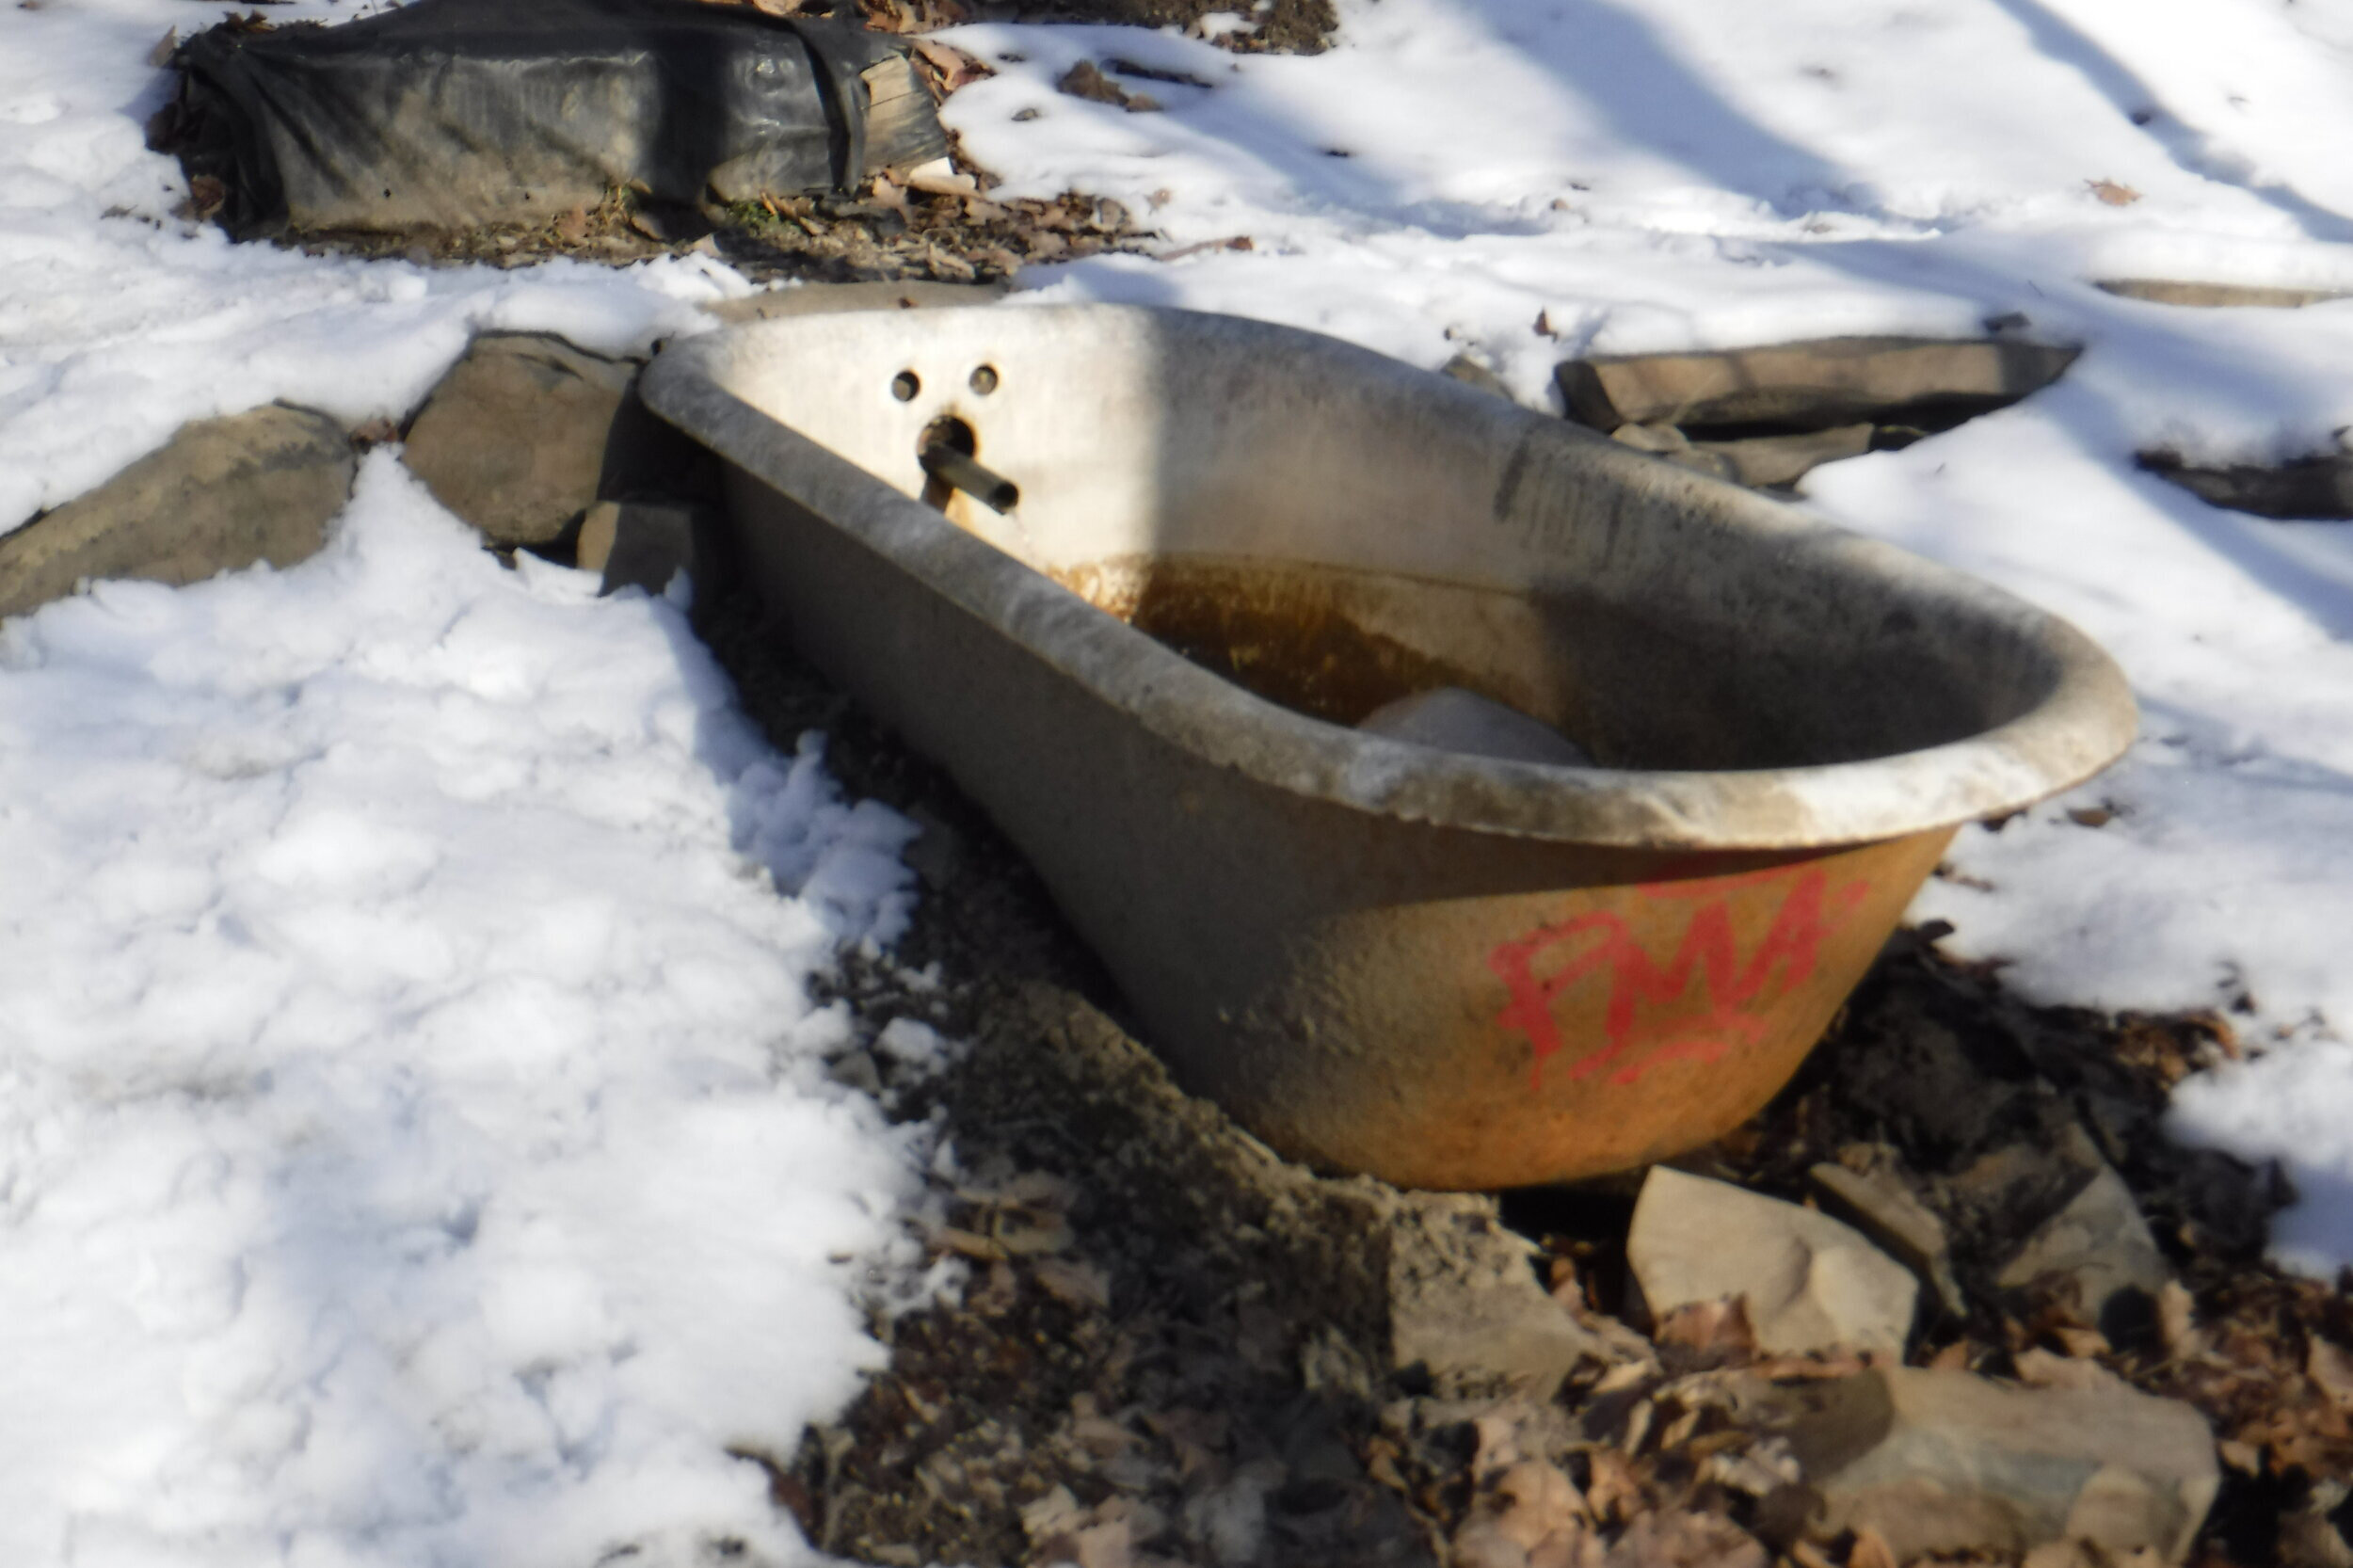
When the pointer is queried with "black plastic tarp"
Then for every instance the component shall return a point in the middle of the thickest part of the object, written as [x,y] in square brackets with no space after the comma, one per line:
[453,114]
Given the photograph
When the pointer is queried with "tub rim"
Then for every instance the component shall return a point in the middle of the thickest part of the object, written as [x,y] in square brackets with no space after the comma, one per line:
[2084,722]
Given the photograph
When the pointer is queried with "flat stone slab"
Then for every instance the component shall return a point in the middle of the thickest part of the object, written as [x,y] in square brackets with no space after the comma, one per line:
[2307,490]
[1946,1462]
[2098,1242]
[527,431]
[1815,385]
[2166,291]
[222,494]
[1810,1283]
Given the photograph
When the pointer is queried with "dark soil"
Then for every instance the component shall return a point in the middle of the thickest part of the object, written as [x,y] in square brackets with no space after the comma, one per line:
[1131,1380]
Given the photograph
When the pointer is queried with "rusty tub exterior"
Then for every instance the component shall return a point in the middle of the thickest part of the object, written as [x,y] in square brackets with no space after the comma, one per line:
[1232,542]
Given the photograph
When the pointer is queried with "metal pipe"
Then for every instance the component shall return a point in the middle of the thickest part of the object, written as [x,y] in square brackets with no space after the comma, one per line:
[984,485]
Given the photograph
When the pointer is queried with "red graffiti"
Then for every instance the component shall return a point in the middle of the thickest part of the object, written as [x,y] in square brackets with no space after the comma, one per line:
[1730,991]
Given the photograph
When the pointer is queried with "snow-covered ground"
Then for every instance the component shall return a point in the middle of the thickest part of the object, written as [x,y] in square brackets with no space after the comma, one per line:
[413,1148]
[414,1144]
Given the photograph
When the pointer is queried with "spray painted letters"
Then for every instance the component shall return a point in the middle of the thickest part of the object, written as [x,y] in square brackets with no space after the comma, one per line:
[1642,1025]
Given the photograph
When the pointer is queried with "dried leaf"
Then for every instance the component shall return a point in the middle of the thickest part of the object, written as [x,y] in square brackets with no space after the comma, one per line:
[2331,1368]
[2080,1341]
[997,1292]
[1871,1550]
[1022,1234]
[1073,1283]
[1719,1328]
[1086,80]
[963,1243]
[1613,1488]
[2177,1322]
[2039,1368]
[2112,193]
[947,67]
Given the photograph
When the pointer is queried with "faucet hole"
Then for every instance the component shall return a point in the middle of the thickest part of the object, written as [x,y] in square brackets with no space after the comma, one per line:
[948,449]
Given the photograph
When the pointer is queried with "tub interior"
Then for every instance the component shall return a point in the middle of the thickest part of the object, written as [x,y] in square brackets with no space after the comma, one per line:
[1332,533]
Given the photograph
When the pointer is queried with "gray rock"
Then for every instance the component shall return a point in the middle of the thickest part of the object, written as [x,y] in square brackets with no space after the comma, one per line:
[1814,385]
[526,431]
[645,544]
[2317,489]
[2166,291]
[1946,1462]
[1760,460]
[1810,1282]
[223,493]
[1884,1209]
[1451,719]
[2099,1240]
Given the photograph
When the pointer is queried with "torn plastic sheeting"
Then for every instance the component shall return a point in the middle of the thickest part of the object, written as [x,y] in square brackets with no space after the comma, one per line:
[461,113]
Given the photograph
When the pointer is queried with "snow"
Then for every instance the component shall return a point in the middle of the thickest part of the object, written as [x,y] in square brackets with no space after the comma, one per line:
[1523,181]
[415,1145]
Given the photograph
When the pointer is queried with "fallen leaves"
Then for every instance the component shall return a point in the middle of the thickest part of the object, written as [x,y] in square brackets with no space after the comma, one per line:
[2112,193]
[1086,80]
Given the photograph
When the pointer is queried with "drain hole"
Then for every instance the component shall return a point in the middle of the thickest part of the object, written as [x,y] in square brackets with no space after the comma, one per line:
[946,450]
[984,381]
[905,385]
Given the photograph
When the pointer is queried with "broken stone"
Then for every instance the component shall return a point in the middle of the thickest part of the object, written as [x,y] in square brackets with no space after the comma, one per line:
[1760,460]
[2098,1242]
[221,494]
[526,432]
[1663,440]
[2308,489]
[1817,385]
[2166,291]
[1884,1209]
[1451,719]
[1946,1462]
[1809,1281]
[1752,460]
[646,544]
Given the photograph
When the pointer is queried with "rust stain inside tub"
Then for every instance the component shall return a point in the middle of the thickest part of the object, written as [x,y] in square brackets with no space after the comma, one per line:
[1280,630]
